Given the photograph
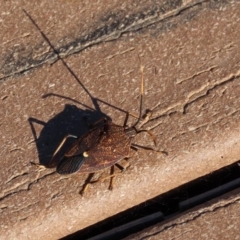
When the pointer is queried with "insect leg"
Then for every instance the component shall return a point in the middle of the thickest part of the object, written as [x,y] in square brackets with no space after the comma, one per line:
[150,134]
[100,179]
[123,168]
[112,175]
[120,167]
[134,148]
[127,117]
[112,178]
[86,184]
[126,120]
[96,123]
[148,148]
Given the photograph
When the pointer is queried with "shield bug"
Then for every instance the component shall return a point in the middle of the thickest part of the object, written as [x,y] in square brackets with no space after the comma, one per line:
[103,146]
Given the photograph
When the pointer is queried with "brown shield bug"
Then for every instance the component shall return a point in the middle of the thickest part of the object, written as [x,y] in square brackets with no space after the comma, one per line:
[103,146]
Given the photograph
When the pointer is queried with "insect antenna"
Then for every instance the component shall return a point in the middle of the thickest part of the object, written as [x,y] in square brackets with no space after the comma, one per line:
[141,95]
[140,109]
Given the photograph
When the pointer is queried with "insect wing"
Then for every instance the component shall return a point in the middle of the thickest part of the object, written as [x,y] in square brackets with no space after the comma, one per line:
[73,159]
[70,165]
[88,141]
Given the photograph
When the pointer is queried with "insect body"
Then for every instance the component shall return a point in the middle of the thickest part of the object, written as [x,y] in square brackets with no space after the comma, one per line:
[102,147]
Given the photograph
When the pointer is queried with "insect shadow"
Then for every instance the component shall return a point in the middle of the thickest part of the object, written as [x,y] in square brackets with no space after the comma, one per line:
[70,121]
